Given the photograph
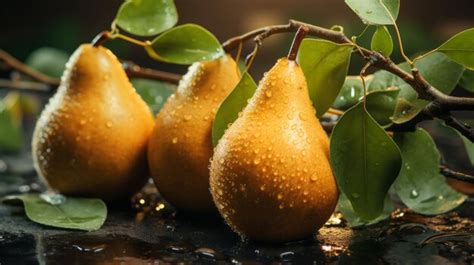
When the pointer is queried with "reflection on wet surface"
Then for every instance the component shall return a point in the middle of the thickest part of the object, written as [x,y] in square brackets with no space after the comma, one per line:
[150,232]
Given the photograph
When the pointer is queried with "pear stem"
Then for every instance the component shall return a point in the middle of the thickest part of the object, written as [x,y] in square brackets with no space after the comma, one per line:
[295,46]
[101,38]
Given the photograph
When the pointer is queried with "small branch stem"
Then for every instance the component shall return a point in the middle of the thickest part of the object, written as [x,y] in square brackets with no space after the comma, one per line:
[295,46]
[449,173]
[13,63]
[101,38]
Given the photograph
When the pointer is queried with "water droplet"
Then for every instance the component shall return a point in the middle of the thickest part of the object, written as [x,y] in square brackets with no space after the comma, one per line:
[188,117]
[53,198]
[414,193]
[268,94]
[109,124]
[83,122]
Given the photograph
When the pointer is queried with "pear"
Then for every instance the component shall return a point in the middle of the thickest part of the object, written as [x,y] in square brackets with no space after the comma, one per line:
[180,146]
[270,174]
[91,138]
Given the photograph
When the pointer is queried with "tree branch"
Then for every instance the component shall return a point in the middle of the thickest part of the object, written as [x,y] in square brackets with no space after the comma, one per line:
[449,173]
[13,63]
[47,84]
[441,104]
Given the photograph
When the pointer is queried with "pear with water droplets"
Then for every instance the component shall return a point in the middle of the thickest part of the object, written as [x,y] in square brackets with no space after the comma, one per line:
[91,139]
[180,146]
[270,174]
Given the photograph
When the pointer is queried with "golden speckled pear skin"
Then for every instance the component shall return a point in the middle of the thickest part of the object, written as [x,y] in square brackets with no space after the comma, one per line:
[270,174]
[180,146]
[91,139]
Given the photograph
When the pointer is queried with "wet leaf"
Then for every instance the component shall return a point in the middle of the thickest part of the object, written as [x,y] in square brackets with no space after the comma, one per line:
[365,161]
[436,68]
[63,212]
[325,66]
[154,93]
[232,105]
[468,145]
[345,207]
[382,41]
[420,185]
[381,105]
[460,48]
[376,12]
[186,44]
[351,92]
[147,17]
[406,110]
[49,61]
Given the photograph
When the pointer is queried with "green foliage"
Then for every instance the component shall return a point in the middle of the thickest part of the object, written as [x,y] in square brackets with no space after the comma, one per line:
[351,92]
[186,44]
[467,81]
[436,68]
[64,212]
[468,145]
[381,105]
[375,12]
[49,61]
[154,93]
[147,17]
[232,105]
[382,41]
[460,48]
[420,185]
[11,136]
[345,207]
[365,161]
[325,66]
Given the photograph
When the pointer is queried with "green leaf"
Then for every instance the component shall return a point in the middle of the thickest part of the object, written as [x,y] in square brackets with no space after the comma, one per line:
[375,12]
[232,105]
[325,66]
[365,161]
[11,135]
[382,41]
[154,93]
[63,212]
[468,145]
[467,81]
[186,44]
[351,92]
[381,105]
[49,61]
[345,207]
[406,110]
[436,68]
[460,48]
[147,17]
[420,185]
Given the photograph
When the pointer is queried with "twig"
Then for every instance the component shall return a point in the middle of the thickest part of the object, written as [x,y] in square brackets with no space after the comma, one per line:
[15,64]
[295,46]
[25,85]
[48,84]
[134,70]
[449,173]
[441,104]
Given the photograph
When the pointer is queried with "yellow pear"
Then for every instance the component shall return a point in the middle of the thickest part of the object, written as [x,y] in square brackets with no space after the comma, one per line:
[270,174]
[91,139]
[180,146]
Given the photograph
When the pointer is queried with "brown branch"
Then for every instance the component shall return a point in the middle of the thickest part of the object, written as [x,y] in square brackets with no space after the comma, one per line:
[449,173]
[13,63]
[48,84]
[25,85]
[441,104]
[134,70]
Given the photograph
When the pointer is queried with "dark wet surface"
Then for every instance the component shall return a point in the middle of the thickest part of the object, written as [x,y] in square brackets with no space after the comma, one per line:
[148,231]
